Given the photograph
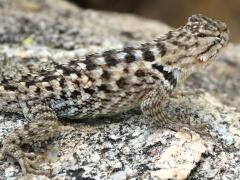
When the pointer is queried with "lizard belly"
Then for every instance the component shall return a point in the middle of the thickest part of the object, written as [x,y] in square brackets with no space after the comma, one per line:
[93,106]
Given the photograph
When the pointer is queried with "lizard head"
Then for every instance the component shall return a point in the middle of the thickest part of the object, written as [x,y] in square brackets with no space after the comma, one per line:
[194,46]
[209,36]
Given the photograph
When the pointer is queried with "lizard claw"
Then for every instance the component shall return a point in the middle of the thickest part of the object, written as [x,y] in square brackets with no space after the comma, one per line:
[30,166]
[201,129]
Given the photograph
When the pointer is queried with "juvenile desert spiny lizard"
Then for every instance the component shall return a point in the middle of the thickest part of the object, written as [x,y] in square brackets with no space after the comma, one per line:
[108,83]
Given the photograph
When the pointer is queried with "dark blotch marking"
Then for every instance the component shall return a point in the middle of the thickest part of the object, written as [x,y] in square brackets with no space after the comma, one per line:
[162,48]
[26,127]
[64,96]
[104,88]
[170,63]
[196,44]
[74,94]
[9,87]
[31,133]
[126,70]
[5,81]
[20,137]
[106,75]
[111,61]
[121,82]
[158,67]
[147,54]
[140,73]
[61,82]
[76,82]
[205,35]
[110,57]
[66,70]
[167,75]
[89,62]
[49,88]
[176,43]
[128,49]
[130,57]
[89,91]
[38,90]
[30,83]
[49,78]
[25,78]
[169,35]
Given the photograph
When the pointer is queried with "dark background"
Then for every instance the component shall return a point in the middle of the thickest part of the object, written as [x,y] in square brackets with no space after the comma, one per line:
[174,12]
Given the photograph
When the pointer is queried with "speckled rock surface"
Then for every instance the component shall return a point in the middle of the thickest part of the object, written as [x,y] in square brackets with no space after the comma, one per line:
[128,146]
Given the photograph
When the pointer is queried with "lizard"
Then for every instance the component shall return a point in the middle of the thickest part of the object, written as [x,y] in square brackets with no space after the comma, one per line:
[108,83]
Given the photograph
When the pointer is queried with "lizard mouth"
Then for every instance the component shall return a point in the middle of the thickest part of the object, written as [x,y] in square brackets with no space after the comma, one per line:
[212,50]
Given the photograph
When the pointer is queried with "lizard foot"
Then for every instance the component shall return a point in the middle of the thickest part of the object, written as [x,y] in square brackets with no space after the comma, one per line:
[27,161]
[177,94]
[201,129]
[43,126]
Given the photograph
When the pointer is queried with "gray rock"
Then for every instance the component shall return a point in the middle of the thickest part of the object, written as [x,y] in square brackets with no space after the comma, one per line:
[128,146]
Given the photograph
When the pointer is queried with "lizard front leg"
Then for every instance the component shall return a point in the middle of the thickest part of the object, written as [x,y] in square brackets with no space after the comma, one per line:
[43,125]
[170,112]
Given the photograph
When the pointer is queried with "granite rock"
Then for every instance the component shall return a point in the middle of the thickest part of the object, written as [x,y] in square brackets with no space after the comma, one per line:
[127,146]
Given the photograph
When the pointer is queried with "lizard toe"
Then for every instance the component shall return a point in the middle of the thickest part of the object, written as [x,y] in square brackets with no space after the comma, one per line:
[31,166]
[201,129]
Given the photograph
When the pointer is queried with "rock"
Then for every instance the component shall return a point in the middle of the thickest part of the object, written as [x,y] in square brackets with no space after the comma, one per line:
[128,146]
